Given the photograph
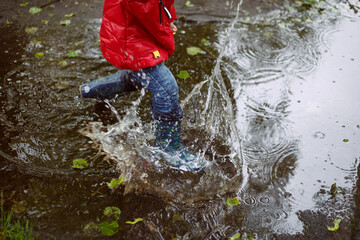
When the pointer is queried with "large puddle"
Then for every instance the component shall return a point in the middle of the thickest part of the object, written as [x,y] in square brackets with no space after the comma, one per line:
[277,102]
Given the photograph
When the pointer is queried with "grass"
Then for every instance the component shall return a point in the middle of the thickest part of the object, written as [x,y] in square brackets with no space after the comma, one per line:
[11,228]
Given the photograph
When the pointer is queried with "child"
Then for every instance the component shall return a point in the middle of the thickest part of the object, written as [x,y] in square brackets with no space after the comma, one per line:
[137,36]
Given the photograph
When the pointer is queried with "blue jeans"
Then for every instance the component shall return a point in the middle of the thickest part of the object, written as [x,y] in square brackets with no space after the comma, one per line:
[165,92]
[158,79]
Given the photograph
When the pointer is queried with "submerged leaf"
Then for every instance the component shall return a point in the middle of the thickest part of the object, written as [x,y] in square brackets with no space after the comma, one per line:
[80,163]
[65,22]
[189,4]
[183,74]
[91,229]
[231,202]
[39,55]
[268,34]
[193,50]
[35,10]
[63,63]
[31,30]
[236,236]
[112,211]
[135,221]
[115,182]
[205,42]
[72,54]
[334,190]
[109,229]
[336,225]
[24,4]
[178,217]
[70,15]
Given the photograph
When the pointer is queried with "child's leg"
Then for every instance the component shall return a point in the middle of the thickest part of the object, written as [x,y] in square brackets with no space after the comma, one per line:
[165,92]
[168,115]
[108,87]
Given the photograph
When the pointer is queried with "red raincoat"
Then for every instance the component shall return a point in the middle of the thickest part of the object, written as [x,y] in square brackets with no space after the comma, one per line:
[136,34]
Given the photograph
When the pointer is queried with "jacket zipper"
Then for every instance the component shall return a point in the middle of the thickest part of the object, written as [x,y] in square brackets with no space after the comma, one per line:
[162,5]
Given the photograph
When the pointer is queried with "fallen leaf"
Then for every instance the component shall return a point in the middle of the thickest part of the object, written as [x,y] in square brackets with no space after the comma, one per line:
[231,202]
[109,229]
[192,51]
[183,74]
[115,182]
[70,15]
[35,10]
[63,63]
[31,30]
[336,225]
[72,54]
[80,163]
[135,221]
[65,22]
[205,42]
[24,4]
[189,4]
[236,236]
[39,55]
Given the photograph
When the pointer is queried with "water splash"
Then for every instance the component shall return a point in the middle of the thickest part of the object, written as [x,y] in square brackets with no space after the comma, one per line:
[215,138]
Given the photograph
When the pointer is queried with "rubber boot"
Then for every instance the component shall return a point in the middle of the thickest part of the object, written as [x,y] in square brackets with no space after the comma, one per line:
[108,87]
[167,139]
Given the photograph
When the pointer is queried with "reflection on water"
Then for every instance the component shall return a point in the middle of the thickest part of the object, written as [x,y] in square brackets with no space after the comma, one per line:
[274,97]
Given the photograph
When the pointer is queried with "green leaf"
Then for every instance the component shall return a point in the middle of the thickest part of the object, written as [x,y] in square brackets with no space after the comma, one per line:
[336,225]
[115,182]
[70,15]
[189,4]
[175,238]
[183,74]
[268,34]
[248,236]
[72,54]
[35,10]
[109,229]
[39,55]
[178,217]
[80,163]
[205,42]
[31,30]
[236,236]
[63,63]
[91,229]
[112,211]
[24,4]
[65,22]
[135,221]
[193,50]
[231,202]
[334,190]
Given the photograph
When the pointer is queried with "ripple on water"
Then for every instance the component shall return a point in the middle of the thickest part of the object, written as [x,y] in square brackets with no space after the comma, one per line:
[343,158]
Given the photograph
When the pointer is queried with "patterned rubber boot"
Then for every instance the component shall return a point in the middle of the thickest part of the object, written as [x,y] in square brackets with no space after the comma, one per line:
[167,139]
[107,87]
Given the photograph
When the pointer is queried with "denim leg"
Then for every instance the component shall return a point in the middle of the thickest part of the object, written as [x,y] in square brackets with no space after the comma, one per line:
[119,83]
[165,92]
